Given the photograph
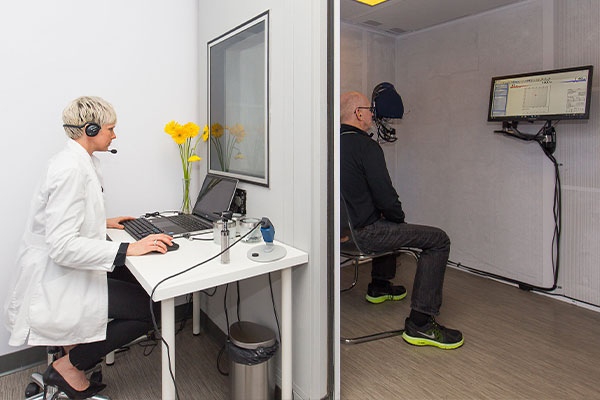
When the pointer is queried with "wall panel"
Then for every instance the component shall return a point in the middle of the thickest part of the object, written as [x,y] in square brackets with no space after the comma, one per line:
[577,35]
[484,189]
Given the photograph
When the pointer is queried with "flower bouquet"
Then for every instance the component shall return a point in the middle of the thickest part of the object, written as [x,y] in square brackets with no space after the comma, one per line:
[183,135]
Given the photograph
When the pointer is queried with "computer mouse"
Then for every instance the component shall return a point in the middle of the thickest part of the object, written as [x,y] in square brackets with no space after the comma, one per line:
[174,247]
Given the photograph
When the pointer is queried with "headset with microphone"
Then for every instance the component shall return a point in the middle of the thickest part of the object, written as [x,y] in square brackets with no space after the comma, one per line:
[91,129]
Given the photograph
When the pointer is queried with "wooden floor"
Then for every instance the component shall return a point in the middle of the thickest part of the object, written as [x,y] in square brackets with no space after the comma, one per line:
[518,345]
[135,377]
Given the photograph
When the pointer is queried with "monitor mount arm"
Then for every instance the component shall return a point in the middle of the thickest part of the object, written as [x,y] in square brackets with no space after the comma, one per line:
[545,137]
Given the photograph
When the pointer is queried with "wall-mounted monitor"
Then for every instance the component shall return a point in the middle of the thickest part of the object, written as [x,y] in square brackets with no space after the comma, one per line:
[545,95]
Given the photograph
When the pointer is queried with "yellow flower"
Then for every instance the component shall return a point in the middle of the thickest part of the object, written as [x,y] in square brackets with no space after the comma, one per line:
[180,135]
[205,133]
[194,158]
[191,129]
[238,131]
[216,130]
[239,156]
[171,127]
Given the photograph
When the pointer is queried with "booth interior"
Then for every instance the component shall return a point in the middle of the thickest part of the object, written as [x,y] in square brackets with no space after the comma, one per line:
[152,60]
[496,195]
[523,272]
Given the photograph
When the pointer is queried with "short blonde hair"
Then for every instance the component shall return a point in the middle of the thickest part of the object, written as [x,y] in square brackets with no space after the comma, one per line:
[87,109]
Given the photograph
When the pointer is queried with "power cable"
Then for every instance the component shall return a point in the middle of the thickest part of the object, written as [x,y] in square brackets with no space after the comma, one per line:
[171,277]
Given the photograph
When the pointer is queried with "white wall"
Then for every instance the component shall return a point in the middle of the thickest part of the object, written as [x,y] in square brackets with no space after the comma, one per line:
[577,35]
[295,201]
[484,189]
[141,56]
[491,193]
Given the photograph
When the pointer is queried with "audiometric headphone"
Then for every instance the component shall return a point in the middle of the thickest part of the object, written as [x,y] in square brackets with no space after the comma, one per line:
[91,129]
[387,105]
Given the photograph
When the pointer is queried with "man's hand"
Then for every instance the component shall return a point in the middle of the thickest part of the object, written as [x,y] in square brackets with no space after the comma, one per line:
[157,242]
[115,223]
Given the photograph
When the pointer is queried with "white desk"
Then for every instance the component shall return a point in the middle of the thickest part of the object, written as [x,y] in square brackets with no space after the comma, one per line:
[152,268]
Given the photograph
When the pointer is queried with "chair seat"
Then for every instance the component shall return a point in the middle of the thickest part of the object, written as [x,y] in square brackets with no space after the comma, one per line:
[351,250]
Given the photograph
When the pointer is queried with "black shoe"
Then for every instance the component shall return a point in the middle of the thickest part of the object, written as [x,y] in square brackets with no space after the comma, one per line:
[432,334]
[53,378]
[379,294]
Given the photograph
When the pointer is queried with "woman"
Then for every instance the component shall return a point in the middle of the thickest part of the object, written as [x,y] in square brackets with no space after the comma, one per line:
[62,296]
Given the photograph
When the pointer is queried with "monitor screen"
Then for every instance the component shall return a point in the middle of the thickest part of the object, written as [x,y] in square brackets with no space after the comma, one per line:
[545,95]
[214,197]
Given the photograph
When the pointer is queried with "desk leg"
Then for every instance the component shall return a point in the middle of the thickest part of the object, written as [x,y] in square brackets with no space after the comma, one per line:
[196,313]
[286,334]
[168,334]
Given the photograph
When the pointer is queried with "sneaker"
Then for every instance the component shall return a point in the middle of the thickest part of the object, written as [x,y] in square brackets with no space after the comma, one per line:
[432,334]
[378,294]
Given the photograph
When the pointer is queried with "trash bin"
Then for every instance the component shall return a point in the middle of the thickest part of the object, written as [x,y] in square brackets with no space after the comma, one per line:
[250,349]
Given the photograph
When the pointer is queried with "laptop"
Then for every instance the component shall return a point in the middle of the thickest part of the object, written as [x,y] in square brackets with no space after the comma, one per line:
[215,196]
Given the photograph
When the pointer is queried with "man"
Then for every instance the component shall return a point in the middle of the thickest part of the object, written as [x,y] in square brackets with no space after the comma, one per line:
[378,220]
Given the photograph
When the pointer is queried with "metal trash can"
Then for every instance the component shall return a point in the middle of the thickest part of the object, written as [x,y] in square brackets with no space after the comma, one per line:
[251,373]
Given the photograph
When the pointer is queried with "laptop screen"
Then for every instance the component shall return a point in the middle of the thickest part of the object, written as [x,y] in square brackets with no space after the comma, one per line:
[215,196]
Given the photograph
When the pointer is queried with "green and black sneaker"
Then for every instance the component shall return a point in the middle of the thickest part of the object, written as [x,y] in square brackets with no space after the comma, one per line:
[432,334]
[379,294]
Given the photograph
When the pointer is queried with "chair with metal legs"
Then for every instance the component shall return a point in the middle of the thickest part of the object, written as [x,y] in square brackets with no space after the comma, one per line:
[350,250]
[35,389]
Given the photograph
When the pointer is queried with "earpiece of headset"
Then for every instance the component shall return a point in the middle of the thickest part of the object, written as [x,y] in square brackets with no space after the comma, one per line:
[91,129]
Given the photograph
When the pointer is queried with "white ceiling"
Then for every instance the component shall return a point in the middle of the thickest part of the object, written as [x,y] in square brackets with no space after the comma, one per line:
[399,16]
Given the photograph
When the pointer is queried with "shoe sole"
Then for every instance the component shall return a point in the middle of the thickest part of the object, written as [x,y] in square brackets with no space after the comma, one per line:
[381,299]
[427,342]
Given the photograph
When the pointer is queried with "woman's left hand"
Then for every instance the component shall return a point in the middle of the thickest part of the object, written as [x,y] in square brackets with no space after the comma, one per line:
[115,223]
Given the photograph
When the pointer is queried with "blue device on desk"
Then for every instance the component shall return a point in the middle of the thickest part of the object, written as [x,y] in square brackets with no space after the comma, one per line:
[268,251]
[267,229]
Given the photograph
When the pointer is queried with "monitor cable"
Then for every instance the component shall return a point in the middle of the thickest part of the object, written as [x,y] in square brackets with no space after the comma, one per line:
[222,350]
[274,308]
[190,236]
[157,331]
[160,213]
[546,139]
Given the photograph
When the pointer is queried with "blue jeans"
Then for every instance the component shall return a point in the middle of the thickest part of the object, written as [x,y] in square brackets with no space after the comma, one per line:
[384,235]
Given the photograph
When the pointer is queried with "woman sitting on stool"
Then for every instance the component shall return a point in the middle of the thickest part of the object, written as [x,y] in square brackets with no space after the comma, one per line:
[61,296]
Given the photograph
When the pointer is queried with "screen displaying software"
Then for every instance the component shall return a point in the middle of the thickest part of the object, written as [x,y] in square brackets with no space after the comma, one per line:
[558,94]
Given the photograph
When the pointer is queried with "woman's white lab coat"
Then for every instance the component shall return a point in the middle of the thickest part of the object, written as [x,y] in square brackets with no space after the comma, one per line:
[60,292]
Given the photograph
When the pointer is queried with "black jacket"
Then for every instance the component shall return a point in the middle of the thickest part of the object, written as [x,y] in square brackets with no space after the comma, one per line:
[365,182]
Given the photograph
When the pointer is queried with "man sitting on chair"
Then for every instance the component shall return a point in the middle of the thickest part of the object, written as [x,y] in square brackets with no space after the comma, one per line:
[378,220]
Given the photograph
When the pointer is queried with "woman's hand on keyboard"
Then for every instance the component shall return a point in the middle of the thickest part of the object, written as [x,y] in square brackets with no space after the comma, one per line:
[115,223]
[157,242]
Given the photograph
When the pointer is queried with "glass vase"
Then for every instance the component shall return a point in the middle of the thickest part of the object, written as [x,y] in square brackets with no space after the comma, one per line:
[185,203]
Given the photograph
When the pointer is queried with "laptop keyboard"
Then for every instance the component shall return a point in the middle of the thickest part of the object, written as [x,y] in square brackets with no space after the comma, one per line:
[140,228]
[190,223]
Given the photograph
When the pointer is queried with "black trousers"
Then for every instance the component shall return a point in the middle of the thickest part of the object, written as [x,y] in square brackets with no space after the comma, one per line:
[385,235]
[129,309]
